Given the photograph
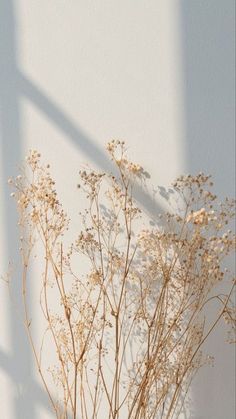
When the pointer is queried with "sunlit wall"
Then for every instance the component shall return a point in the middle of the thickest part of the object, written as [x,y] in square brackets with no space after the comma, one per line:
[74,74]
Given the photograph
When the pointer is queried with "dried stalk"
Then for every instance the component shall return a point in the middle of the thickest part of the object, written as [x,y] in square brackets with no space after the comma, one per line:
[128,328]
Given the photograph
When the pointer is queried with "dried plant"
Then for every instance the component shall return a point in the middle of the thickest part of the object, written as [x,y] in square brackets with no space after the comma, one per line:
[124,306]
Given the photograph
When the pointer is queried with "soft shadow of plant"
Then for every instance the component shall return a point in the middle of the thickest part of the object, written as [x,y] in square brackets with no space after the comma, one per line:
[125,305]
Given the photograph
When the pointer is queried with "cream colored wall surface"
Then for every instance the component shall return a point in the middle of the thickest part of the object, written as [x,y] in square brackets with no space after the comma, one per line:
[74,74]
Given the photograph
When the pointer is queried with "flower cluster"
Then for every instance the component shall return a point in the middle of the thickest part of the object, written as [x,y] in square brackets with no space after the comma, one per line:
[199,217]
[37,199]
[117,151]
[125,303]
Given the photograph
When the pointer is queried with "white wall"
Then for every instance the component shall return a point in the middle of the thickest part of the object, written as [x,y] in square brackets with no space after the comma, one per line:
[158,74]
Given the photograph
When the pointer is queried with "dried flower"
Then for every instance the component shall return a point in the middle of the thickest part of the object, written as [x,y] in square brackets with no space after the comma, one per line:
[128,326]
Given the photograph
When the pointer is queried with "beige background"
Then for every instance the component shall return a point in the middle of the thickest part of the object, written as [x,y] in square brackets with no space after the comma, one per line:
[73,74]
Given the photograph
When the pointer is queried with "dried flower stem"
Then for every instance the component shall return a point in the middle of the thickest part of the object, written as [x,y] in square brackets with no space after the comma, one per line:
[129,322]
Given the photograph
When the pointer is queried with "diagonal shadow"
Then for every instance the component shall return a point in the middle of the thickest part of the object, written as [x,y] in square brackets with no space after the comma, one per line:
[13,87]
[78,137]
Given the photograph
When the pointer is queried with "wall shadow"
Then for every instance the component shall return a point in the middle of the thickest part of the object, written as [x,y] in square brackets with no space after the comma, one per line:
[209,63]
[209,82]
[208,47]
[79,138]
[14,86]
[19,365]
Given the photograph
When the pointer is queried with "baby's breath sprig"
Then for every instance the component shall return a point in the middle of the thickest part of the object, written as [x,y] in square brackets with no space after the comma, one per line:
[124,305]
